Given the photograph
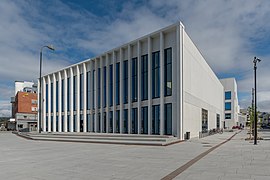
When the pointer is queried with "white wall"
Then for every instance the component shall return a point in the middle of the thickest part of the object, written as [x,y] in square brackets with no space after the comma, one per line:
[202,89]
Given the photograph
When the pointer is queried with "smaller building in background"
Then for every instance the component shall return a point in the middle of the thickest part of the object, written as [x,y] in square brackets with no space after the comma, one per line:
[24,106]
[231,103]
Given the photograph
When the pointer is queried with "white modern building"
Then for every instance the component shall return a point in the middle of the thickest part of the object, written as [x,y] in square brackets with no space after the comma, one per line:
[157,84]
[231,103]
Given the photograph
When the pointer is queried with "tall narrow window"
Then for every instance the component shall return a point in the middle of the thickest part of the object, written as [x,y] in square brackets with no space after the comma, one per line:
[88,78]
[62,122]
[134,121]
[74,92]
[68,123]
[155,119]
[51,123]
[47,99]
[81,92]
[155,75]
[81,123]
[94,89]
[168,119]
[62,95]
[68,94]
[144,120]
[117,122]
[117,84]
[56,96]
[125,82]
[51,97]
[134,79]
[88,123]
[168,72]
[93,123]
[98,123]
[111,86]
[144,81]
[204,120]
[125,121]
[98,88]
[111,122]
[47,123]
[57,124]
[218,121]
[104,124]
[104,87]
[74,123]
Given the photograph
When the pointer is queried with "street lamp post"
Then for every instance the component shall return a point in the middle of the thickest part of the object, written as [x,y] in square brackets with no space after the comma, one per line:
[255,61]
[40,87]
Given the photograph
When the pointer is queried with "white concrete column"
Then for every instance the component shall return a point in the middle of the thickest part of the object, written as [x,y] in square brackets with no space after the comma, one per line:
[59,102]
[108,90]
[129,89]
[114,91]
[38,105]
[179,64]
[84,97]
[96,94]
[161,116]
[54,103]
[101,94]
[78,100]
[149,85]
[121,91]
[44,104]
[139,87]
[49,104]
[91,67]
[71,101]
[65,101]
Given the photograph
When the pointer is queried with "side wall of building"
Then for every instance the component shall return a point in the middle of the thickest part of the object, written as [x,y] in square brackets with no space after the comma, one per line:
[202,90]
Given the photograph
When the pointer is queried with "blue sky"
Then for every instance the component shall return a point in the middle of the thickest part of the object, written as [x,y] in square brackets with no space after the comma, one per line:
[228,33]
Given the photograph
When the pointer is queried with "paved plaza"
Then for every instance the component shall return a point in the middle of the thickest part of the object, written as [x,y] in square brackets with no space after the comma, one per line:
[236,159]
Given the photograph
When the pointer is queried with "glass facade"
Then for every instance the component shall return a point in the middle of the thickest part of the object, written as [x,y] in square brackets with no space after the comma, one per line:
[117,84]
[155,119]
[51,97]
[144,76]
[74,92]
[111,122]
[218,121]
[47,99]
[88,89]
[155,75]
[125,82]
[228,95]
[104,87]
[204,120]
[228,106]
[144,120]
[111,86]
[104,124]
[98,88]
[134,79]
[117,121]
[228,116]
[94,89]
[168,72]
[134,121]
[125,121]
[56,96]
[62,94]
[68,94]
[81,92]
[168,119]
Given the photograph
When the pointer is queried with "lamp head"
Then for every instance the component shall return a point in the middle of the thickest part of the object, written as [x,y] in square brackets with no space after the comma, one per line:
[50,47]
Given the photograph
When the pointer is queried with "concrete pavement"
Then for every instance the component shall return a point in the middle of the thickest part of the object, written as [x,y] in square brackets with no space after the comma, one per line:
[236,159]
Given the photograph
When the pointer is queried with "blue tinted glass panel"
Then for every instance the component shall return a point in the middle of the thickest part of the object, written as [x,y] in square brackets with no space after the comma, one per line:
[88,84]
[62,94]
[104,87]
[134,121]
[117,84]
[98,88]
[111,86]
[144,80]
[81,91]
[155,75]
[168,72]
[168,119]
[134,79]
[125,121]
[228,106]
[155,119]
[125,82]
[228,95]
[68,94]
[144,120]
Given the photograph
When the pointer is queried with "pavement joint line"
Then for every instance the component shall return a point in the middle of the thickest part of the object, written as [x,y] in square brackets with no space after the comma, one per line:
[194,160]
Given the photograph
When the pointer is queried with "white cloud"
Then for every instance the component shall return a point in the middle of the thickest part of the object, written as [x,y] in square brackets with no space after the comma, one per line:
[226,32]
